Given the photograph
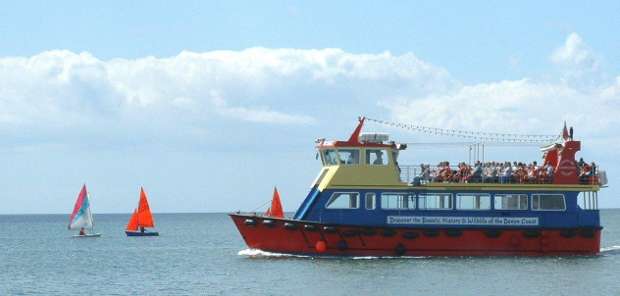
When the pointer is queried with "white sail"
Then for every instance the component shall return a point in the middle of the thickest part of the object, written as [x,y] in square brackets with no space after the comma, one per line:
[83,218]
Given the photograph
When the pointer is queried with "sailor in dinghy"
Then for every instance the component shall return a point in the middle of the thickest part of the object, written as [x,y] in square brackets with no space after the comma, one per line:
[82,218]
[141,218]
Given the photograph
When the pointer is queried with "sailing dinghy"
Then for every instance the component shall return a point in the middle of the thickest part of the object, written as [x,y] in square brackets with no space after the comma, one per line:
[141,219]
[82,218]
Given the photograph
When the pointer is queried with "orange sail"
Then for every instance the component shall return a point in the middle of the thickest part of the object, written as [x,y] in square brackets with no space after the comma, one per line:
[276,207]
[133,221]
[145,218]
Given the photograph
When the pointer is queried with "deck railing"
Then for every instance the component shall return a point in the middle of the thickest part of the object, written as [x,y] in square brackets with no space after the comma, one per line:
[413,174]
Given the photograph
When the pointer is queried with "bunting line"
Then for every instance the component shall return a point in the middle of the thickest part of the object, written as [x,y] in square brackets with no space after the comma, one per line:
[490,137]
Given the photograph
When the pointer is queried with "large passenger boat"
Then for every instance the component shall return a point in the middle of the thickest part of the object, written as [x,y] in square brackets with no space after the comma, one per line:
[360,205]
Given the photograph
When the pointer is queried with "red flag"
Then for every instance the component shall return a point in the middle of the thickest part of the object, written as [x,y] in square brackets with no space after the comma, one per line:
[565,134]
[276,207]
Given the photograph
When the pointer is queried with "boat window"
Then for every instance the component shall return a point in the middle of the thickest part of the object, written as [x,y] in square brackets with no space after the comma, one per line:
[330,156]
[435,201]
[473,201]
[376,156]
[588,200]
[510,202]
[343,200]
[370,201]
[548,202]
[397,201]
[349,156]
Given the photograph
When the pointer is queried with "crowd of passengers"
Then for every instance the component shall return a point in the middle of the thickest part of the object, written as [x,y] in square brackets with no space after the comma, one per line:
[498,172]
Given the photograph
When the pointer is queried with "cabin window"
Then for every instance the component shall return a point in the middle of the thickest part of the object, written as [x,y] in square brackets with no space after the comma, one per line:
[402,201]
[343,200]
[376,157]
[435,201]
[588,200]
[548,202]
[473,201]
[510,202]
[370,201]
[349,156]
[330,157]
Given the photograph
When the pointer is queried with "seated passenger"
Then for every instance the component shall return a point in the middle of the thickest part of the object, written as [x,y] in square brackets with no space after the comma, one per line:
[464,172]
[445,173]
[506,173]
[476,175]
[549,173]
[521,173]
[581,162]
[379,159]
[531,174]
[585,173]
[434,176]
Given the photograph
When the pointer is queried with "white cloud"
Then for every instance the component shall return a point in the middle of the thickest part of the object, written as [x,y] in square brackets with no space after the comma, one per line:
[59,89]
[578,64]
[525,105]
[513,106]
[575,53]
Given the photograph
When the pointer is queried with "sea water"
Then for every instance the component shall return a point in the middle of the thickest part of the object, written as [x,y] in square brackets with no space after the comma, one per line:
[203,254]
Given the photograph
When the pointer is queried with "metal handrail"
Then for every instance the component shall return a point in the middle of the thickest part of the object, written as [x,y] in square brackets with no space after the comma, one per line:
[413,174]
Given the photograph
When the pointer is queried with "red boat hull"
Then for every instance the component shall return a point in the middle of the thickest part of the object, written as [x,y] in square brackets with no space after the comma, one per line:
[309,238]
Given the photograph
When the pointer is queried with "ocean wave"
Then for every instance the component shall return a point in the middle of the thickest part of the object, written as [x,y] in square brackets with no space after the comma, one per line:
[610,250]
[388,257]
[256,253]
[261,253]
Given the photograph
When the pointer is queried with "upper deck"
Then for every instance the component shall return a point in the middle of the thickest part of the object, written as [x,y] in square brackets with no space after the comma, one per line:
[372,162]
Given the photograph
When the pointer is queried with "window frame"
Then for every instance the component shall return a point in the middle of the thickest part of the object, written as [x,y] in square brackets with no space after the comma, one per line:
[327,203]
[324,156]
[342,161]
[587,200]
[424,194]
[548,210]
[527,199]
[367,156]
[407,194]
[374,200]
[457,195]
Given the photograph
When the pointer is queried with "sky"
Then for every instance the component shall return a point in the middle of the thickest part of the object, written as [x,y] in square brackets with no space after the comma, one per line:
[210,104]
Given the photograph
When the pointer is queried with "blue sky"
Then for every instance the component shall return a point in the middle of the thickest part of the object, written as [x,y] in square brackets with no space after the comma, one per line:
[210,104]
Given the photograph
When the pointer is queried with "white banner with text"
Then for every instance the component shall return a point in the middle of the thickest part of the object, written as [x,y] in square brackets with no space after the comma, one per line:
[450,220]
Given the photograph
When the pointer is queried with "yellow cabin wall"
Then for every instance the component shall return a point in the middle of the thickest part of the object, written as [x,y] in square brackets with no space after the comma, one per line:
[361,174]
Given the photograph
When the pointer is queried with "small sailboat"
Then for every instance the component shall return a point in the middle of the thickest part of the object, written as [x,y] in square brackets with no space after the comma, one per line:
[275,210]
[141,219]
[82,218]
